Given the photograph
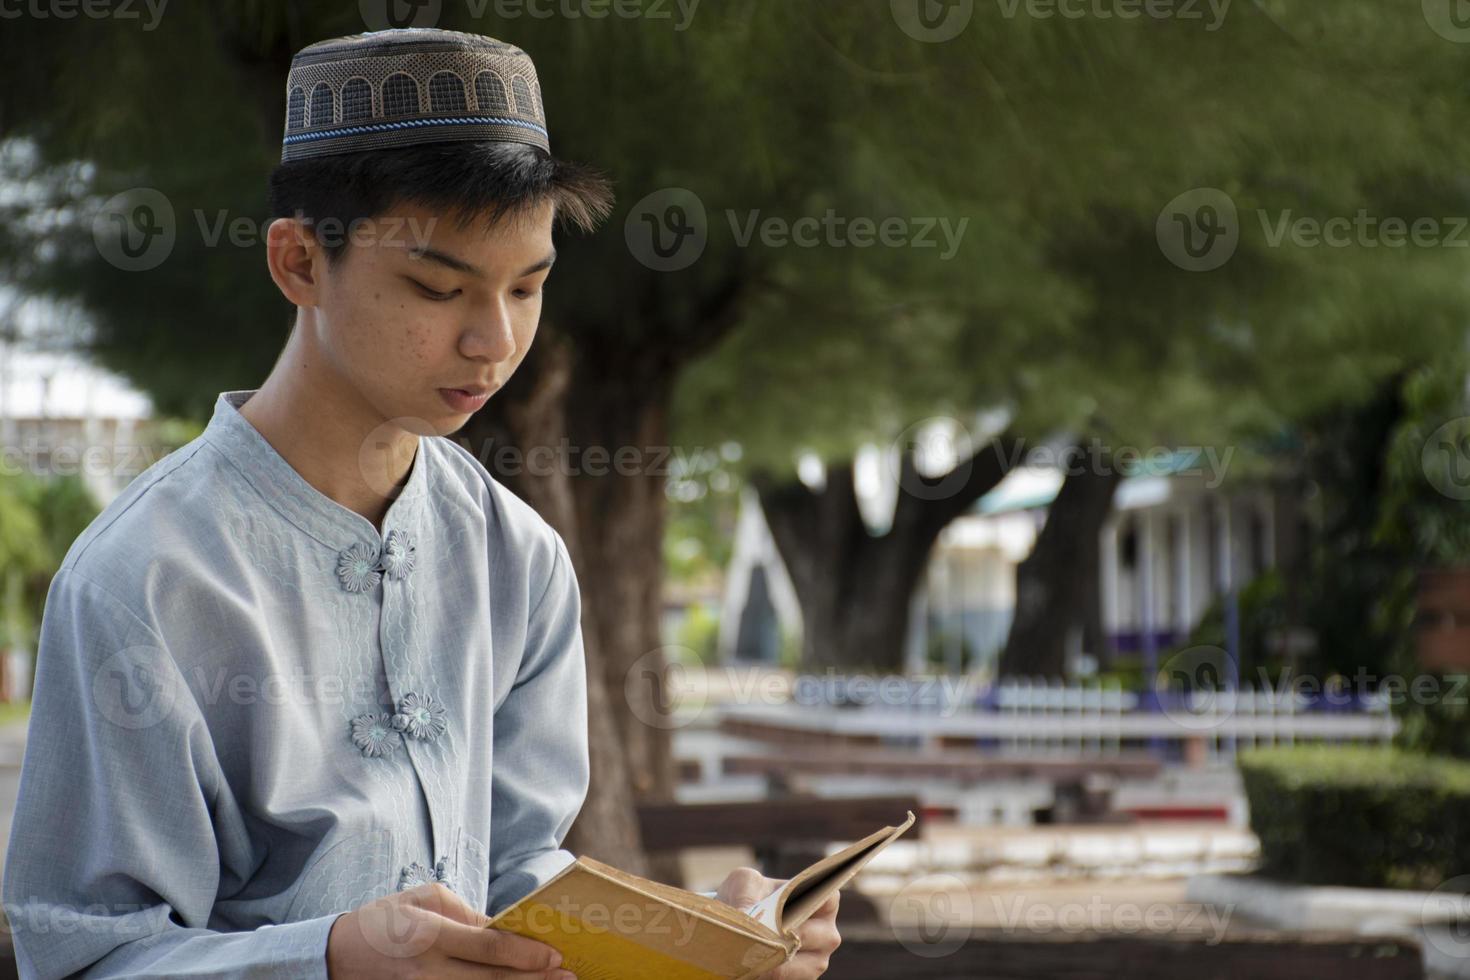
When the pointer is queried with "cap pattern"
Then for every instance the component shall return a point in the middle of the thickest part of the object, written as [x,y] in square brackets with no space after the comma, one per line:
[406,86]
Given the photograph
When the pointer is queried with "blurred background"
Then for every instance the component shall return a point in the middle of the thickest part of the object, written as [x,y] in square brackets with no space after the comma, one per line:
[1049,416]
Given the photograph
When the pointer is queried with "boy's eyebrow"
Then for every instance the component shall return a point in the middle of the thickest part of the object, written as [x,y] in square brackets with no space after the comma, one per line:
[460,265]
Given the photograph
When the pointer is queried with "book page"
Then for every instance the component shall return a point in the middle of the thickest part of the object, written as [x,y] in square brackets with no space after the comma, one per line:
[788,907]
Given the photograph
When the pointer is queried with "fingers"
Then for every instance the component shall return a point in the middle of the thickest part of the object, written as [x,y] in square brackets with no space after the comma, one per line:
[494,947]
[437,898]
[819,936]
[743,887]
[829,907]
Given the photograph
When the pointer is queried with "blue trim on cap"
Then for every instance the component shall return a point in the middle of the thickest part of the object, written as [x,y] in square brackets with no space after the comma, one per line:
[411,123]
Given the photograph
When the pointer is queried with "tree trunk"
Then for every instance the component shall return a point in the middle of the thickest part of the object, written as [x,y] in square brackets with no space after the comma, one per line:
[621,517]
[530,412]
[1057,586]
[854,587]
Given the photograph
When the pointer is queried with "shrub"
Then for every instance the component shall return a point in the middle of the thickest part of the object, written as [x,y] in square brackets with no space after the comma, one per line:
[1365,817]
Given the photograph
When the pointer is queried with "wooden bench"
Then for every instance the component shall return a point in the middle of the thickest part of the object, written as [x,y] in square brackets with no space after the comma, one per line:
[831,754]
[964,767]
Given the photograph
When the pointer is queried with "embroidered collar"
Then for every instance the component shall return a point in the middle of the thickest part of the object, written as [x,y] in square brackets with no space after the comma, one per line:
[312,511]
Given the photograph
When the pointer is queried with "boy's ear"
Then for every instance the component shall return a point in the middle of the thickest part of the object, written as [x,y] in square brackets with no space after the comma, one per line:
[295,260]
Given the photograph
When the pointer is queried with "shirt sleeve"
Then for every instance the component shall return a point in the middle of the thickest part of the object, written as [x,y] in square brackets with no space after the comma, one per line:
[541,770]
[113,866]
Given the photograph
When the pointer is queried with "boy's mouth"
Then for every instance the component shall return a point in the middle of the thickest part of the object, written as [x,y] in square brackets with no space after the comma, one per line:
[464,400]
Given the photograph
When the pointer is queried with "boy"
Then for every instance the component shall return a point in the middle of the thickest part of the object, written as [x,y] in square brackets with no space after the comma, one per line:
[310,695]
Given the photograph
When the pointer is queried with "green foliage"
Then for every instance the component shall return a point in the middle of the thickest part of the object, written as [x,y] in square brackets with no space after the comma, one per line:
[1364,817]
[700,632]
[1124,671]
[940,648]
[1058,302]
[1354,586]
[1424,510]
[39,519]
[703,504]
[790,655]
[1440,723]
[1263,614]
[23,544]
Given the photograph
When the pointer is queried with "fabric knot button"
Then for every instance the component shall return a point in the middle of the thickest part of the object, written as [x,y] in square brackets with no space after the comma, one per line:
[416,874]
[420,716]
[398,554]
[374,735]
[357,567]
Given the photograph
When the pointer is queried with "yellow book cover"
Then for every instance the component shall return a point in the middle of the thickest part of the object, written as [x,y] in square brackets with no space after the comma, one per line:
[611,925]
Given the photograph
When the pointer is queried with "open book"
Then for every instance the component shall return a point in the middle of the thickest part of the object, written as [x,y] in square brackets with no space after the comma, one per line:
[611,925]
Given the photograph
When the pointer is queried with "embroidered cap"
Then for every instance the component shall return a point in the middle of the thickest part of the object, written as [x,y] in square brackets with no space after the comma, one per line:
[400,87]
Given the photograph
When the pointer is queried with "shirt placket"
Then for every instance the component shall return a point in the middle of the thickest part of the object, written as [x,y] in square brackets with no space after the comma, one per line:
[418,717]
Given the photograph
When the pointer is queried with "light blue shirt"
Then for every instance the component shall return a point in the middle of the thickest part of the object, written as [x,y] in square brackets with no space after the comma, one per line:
[253,712]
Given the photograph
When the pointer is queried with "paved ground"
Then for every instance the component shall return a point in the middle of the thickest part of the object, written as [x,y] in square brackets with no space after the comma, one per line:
[1041,896]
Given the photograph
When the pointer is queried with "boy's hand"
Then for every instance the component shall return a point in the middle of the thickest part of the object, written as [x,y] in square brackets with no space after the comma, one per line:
[430,931]
[819,937]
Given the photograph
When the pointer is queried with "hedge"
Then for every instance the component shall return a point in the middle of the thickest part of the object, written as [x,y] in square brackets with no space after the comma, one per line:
[1365,817]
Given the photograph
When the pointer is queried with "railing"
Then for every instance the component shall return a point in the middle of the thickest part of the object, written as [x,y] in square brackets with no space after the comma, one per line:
[1040,717]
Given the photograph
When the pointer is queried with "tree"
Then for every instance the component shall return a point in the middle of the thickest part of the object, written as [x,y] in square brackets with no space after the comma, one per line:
[1056,303]
[1074,299]
[613,348]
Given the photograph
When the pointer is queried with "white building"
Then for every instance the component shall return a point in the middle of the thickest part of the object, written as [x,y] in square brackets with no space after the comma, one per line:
[1175,541]
[60,415]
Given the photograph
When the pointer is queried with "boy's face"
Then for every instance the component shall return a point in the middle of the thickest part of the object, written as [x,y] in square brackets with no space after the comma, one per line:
[416,306]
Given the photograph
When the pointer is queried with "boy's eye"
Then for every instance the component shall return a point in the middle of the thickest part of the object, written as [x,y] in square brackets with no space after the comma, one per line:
[524,293]
[434,294]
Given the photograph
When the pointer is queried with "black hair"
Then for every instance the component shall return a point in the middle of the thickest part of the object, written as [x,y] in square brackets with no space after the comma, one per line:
[469,180]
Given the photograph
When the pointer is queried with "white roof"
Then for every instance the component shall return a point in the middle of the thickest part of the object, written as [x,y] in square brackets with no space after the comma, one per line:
[34,385]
